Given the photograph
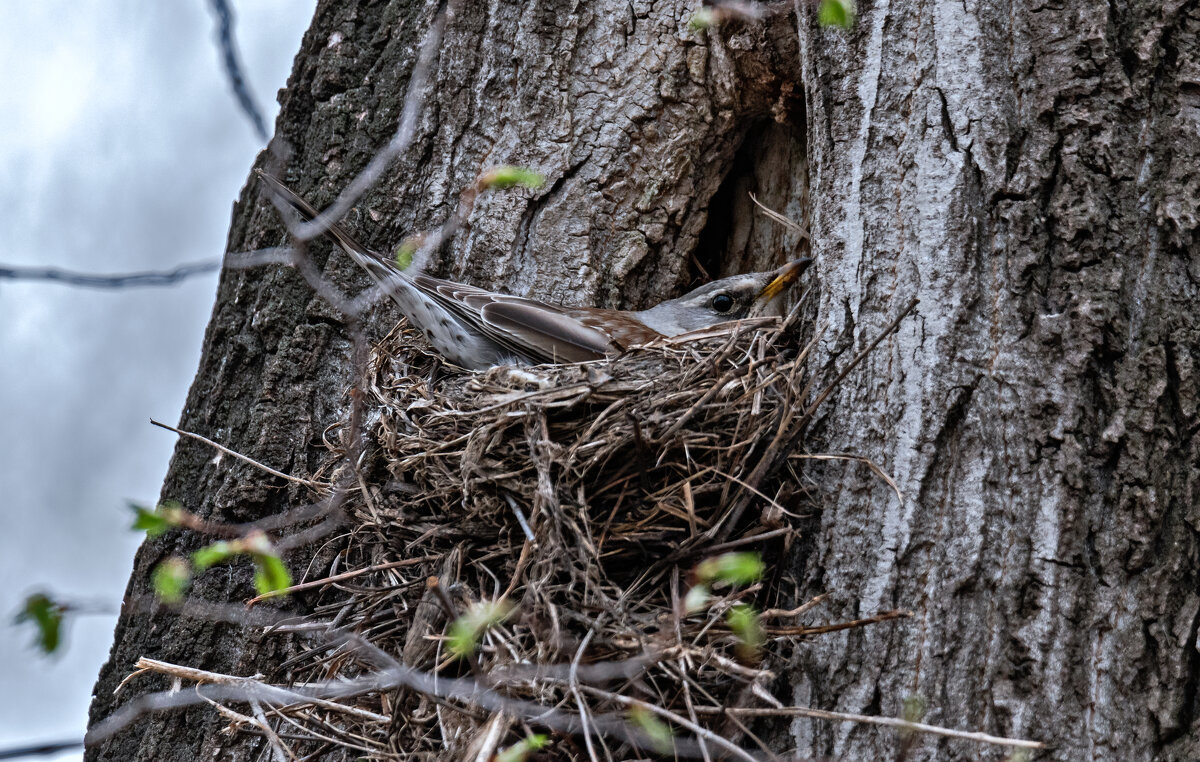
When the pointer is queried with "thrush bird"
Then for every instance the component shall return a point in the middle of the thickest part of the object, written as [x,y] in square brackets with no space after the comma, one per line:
[479,329]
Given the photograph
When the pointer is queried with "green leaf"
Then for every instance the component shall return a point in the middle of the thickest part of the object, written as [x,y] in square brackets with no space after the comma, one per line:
[145,520]
[155,522]
[506,176]
[466,631]
[731,568]
[520,750]
[744,622]
[170,579]
[272,575]
[914,708]
[46,616]
[702,19]
[661,737]
[214,554]
[839,13]
[405,252]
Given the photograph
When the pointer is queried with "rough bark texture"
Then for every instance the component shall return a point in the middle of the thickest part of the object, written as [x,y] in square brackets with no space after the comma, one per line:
[634,120]
[1028,171]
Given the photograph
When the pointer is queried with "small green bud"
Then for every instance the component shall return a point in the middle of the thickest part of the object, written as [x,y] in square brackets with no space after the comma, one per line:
[211,555]
[405,252]
[170,579]
[46,615]
[506,176]
[467,630]
[522,749]
[744,622]
[702,19]
[155,522]
[839,13]
[271,574]
[731,568]
[914,708]
[659,732]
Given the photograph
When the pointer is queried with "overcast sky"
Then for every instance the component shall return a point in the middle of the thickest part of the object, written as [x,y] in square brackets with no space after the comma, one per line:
[121,149]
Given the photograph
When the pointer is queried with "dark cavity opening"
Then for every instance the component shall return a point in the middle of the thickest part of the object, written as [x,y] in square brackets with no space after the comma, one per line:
[738,237]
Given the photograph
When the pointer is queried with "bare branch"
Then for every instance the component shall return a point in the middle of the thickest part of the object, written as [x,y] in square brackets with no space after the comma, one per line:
[204,677]
[272,255]
[41,749]
[667,714]
[237,455]
[891,722]
[469,691]
[124,280]
[400,141]
[233,68]
[338,578]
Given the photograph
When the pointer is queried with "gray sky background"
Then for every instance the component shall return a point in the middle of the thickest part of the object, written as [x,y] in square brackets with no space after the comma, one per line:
[122,149]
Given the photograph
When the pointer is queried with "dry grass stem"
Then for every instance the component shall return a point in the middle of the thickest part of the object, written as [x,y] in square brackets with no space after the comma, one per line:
[238,455]
[891,722]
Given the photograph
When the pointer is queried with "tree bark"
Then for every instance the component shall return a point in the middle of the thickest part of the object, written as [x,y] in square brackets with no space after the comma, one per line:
[1027,171]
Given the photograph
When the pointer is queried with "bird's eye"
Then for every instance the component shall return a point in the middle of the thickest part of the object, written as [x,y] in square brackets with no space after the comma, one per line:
[723,303]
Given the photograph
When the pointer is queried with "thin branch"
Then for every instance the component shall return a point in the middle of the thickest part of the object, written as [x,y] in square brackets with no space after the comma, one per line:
[338,578]
[891,722]
[237,455]
[469,691]
[41,749]
[413,101]
[801,609]
[204,677]
[271,255]
[123,280]
[334,520]
[724,546]
[878,470]
[883,616]
[233,68]
[573,681]
[782,219]
[281,751]
[667,714]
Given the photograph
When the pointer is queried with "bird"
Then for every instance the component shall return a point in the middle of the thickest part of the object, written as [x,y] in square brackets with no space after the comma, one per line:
[478,329]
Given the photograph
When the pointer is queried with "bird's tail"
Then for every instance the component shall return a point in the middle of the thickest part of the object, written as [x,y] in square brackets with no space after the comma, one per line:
[381,270]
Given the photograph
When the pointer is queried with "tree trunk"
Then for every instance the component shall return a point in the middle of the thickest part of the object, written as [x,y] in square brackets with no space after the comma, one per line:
[1028,172]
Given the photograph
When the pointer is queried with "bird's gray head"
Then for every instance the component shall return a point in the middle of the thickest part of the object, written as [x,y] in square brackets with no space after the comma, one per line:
[732,298]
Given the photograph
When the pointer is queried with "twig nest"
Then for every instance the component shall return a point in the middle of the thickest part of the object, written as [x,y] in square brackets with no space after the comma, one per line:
[584,495]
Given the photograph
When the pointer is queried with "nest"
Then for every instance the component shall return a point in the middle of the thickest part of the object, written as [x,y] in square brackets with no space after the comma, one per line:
[583,497]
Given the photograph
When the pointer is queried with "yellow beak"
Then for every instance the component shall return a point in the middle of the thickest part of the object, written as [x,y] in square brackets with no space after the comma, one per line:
[784,277]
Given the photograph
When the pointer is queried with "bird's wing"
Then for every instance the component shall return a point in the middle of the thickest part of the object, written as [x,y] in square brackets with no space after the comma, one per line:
[624,331]
[530,329]
[558,336]
[536,330]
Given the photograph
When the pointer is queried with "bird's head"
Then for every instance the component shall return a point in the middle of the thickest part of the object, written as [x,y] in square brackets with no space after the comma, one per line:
[732,298]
